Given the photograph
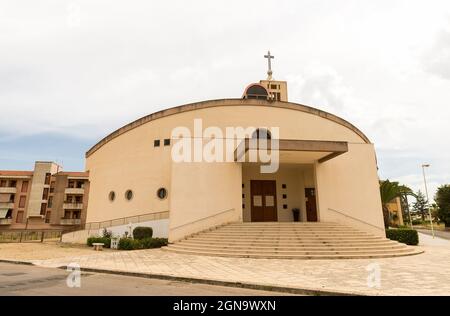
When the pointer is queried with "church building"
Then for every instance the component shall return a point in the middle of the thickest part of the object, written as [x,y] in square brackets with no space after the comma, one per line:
[257,160]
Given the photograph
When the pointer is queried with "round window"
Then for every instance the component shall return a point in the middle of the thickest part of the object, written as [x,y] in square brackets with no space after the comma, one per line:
[129,195]
[112,196]
[161,193]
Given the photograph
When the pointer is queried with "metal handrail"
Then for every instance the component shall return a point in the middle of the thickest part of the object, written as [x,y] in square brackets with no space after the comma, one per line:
[356,219]
[204,218]
[102,224]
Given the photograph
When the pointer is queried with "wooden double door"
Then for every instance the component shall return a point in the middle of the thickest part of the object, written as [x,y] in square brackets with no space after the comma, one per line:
[263,195]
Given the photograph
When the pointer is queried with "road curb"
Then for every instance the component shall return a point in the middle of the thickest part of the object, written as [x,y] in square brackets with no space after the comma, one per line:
[27,263]
[244,285]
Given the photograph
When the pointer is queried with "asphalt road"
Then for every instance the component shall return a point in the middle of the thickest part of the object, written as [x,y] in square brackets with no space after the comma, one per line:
[437,233]
[17,279]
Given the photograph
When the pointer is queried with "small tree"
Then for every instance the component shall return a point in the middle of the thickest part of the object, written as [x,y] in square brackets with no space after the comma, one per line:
[442,199]
[420,206]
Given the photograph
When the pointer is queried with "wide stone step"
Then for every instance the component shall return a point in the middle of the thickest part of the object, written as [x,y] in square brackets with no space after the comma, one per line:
[287,248]
[284,234]
[362,255]
[289,244]
[263,238]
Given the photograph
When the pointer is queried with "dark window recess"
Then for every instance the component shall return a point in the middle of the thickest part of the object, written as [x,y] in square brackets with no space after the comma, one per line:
[47,178]
[167,142]
[43,208]
[283,186]
[284,196]
[129,195]
[156,143]
[243,196]
[13,183]
[243,185]
[285,206]
[243,206]
[161,193]
[12,197]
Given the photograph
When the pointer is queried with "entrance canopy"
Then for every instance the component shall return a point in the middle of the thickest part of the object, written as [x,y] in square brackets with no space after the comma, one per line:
[294,151]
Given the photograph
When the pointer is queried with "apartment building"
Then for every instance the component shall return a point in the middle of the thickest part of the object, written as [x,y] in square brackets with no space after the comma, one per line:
[44,198]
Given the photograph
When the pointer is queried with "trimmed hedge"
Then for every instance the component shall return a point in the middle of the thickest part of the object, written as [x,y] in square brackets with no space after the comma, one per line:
[129,244]
[405,236]
[146,243]
[105,240]
[141,232]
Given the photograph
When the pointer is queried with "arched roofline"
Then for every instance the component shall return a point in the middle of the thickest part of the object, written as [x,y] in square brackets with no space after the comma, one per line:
[224,102]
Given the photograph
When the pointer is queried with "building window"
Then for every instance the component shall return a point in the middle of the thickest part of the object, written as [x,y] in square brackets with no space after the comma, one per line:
[129,195]
[285,206]
[284,196]
[24,187]
[243,196]
[112,196]
[76,214]
[50,202]
[71,184]
[43,208]
[79,199]
[47,217]
[262,133]
[283,186]
[80,184]
[3,183]
[162,193]
[22,201]
[12,183]
[243,206]
[9,213]
[19,217]
[167,142]
[45,194]
[52,186]
[47,178]
[156,143]
[12,197]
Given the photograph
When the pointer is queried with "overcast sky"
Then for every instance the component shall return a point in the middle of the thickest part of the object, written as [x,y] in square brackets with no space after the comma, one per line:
[73,71]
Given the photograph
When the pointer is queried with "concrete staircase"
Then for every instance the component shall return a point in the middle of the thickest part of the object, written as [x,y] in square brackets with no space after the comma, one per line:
[290,241]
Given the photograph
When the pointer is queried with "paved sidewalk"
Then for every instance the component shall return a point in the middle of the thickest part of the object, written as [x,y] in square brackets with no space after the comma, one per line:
[424,274]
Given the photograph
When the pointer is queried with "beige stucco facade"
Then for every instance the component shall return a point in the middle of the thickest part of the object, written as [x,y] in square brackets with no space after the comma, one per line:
[205,194]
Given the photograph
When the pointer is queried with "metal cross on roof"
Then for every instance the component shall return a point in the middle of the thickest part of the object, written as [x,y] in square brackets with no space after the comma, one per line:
[269,61]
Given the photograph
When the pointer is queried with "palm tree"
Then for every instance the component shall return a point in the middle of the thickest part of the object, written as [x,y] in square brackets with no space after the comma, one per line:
[389,191]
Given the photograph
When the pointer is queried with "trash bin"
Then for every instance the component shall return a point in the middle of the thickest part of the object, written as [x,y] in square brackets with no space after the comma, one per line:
[296,214]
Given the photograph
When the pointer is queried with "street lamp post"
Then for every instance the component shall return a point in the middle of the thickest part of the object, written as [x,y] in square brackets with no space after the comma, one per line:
[428,199]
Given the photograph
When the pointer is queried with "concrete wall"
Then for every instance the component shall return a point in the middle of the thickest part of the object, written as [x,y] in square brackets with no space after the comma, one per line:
[160,229]
[349,184]
[203,195]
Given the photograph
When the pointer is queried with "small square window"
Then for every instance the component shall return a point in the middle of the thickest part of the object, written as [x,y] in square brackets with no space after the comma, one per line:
[156,143]
[243,196]
[167,142]
[243,205]
[285,206]
[243,185]
[284,196]
[283,186]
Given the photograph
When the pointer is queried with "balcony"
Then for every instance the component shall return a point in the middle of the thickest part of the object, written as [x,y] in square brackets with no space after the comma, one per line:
[73,206]
[5,221]
[74,191]
[6,205]
[70,221]
[8,190]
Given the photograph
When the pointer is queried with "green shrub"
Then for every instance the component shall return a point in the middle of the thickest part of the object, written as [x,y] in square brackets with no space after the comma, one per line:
[129,244]
[104,240]
[417,222]
[148,243]
[406,236]
[142,232]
